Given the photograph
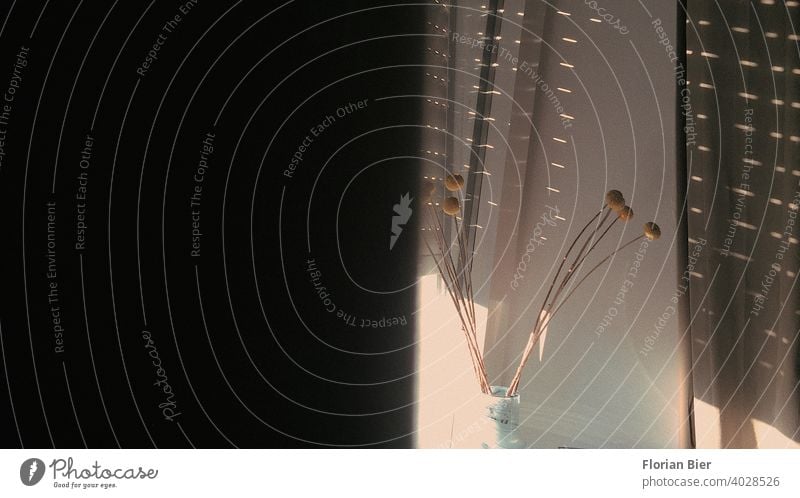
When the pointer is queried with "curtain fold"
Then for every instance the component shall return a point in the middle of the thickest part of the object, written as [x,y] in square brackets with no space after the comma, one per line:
[742,115]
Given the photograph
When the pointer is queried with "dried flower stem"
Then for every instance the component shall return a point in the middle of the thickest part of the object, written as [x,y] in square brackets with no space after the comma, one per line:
[564,260]
[457,278]
[446,271]
[460,235]
[598,265]
[459,287]
[579,260]
[546,312]
[463,284]
[537,327]
[588,240]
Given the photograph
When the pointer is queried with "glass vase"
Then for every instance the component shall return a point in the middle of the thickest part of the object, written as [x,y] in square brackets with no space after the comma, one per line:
[502,413]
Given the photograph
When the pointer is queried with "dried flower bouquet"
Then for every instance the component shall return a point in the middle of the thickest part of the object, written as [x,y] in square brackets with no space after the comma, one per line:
[456,272]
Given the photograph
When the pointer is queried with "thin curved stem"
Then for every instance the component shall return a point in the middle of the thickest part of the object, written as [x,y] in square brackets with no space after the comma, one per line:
[536,331]
[578,263]
[563,301]
[461,297]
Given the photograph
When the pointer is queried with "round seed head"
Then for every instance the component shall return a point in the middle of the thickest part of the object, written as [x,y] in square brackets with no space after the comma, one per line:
[615,200]
[451,206]
[652,231]
[454,182]
[626,213]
